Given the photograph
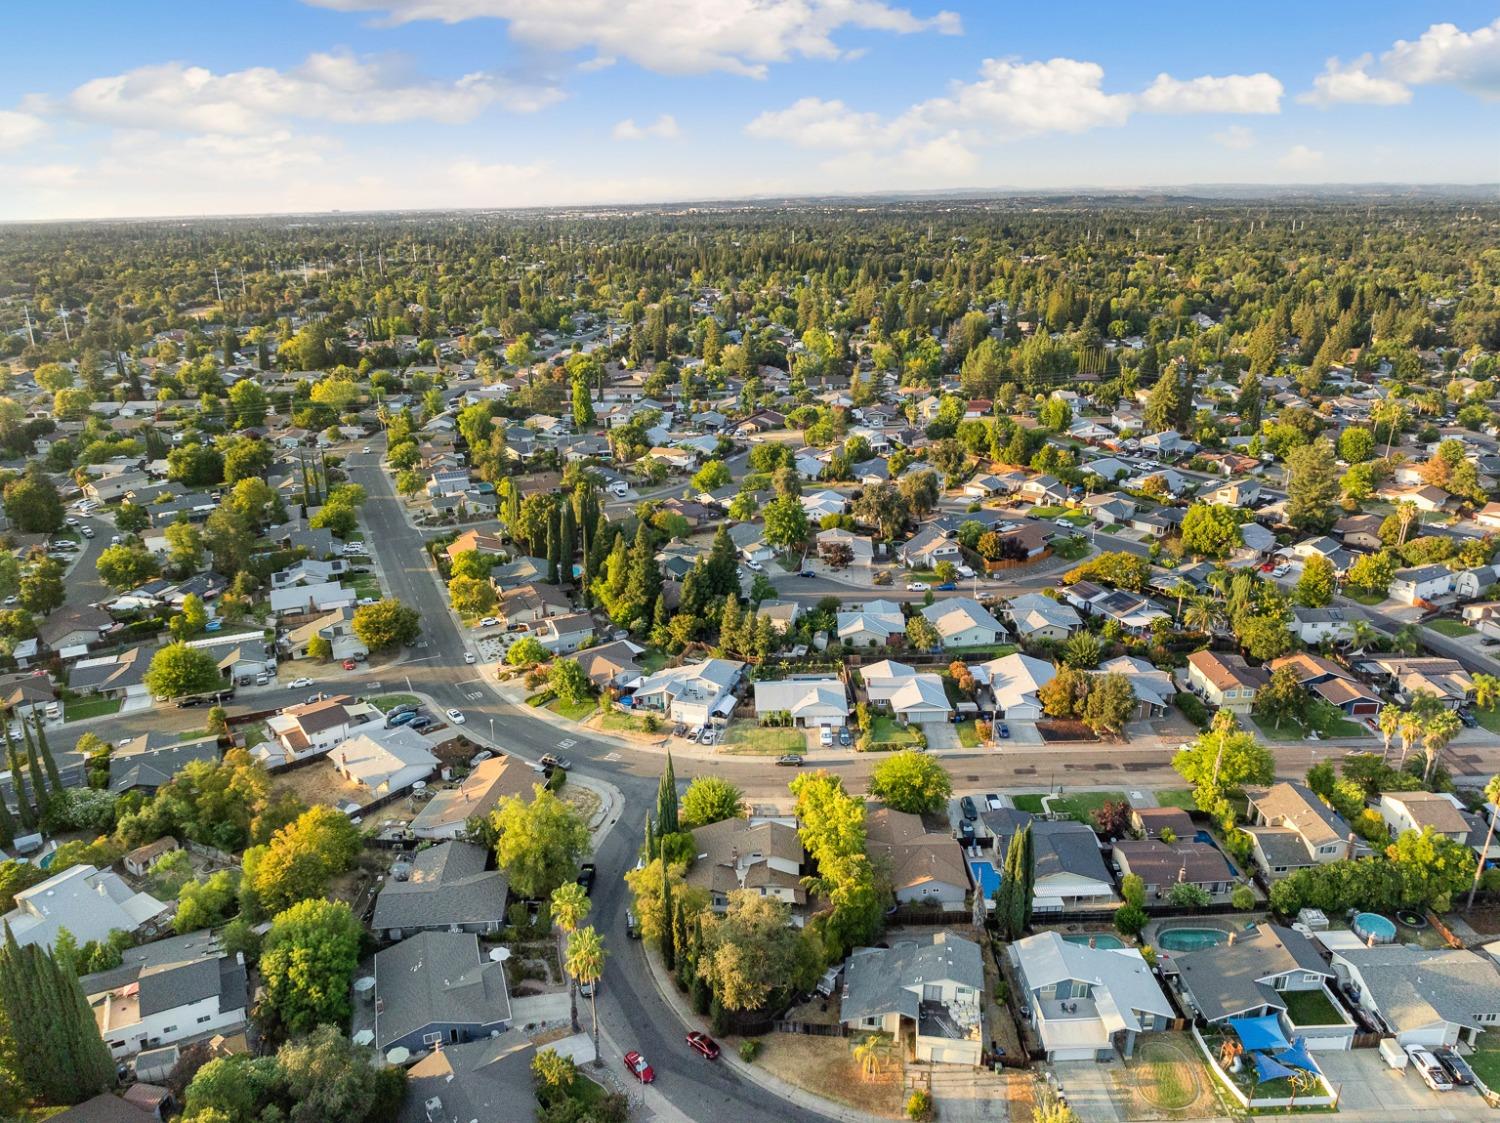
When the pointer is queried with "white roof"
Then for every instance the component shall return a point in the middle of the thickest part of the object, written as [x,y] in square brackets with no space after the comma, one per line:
[1015,678]
[1122,982]
[803,697]
[959,614]
[87,901]
[385,760]
[921,692]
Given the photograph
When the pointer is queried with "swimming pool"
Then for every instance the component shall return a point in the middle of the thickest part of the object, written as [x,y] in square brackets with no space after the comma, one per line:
[1373,926]
[1098,939]
[1190,939]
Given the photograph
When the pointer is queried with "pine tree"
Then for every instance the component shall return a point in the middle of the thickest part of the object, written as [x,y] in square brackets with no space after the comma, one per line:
[65,1060]
[46,751]
[722,567]
[567,538]
[34,765]
[18,781]
[644,583]
[1026,863]
[7,826]
[651,850]
[666,799]
[668,929]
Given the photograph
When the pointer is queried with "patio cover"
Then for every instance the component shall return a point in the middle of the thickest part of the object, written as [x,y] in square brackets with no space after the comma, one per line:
[1268,1068]
[1297,1056]
[1263,1032]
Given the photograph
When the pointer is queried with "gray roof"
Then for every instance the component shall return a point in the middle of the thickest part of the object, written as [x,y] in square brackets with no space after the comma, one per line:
[448,885]
[1064,846]
[176,972]
[877,980]
[1413,987]
[437,978]
[1124,983]
[489,1079]
[152,759]
[1227,980]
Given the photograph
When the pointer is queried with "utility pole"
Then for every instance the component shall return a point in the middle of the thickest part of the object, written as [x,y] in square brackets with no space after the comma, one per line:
[30,335]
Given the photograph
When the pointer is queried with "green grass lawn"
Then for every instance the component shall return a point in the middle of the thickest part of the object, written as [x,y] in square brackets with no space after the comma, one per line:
[968,736]
[652,660]
[573,711]
[885,729]
[385,703]
[1079,805]
[987,651]
[745,738]
[1367,599]
[365,585]
[1181,798]
[1071,549]
[1328,721]
[1310,1008]
[1452,628]
[614,721]
[1485,1060]
[80,708]
[1489,719]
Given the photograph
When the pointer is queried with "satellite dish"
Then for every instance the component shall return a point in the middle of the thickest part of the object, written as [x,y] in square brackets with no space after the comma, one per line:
[365,1037]
[364,985]
[398,1056]
[499,955]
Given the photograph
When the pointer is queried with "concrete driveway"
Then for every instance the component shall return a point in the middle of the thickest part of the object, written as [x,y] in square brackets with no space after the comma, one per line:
[1371,1089]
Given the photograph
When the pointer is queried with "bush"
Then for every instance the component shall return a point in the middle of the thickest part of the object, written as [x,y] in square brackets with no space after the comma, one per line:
[1243,898]
[1193,709]
[749,1050]
[919,1105]
[1130,919]
[558,778]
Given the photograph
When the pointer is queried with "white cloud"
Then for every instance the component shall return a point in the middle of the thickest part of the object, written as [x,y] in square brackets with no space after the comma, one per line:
[17,129]
[340,88]
[674,36]
[1342,83]
[1231,93]
[812,122]
[663,128]
[1236,138]
[1301,158]
[1446,54]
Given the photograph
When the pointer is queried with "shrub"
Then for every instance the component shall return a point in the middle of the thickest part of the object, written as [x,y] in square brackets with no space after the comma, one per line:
[1193,709]
[558,778]
[1243,898]
[749,1050]
[919,1105]
[1130,919]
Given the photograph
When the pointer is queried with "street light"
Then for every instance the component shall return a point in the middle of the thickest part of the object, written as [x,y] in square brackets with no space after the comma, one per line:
[492,730]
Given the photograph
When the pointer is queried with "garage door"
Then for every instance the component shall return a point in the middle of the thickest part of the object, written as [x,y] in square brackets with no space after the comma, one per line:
[1330,1044]
[1071,1054]
[954,1054]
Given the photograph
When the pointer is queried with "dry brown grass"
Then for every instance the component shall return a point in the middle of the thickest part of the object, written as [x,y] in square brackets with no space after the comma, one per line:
[319,782]
[826,1067]
[583,799]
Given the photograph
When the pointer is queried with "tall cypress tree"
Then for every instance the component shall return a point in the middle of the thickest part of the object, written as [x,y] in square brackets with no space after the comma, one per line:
[651,850]
[38,781]
[666,799]
[18,781]
[46,753]
[1027,863]
[7,825]
[668,930]
[65,1060]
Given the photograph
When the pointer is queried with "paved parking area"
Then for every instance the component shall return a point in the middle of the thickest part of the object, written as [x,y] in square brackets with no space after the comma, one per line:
[1021,733]
[1371,1089]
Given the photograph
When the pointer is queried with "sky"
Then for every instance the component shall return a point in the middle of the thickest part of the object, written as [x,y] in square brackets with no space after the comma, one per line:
[172,107]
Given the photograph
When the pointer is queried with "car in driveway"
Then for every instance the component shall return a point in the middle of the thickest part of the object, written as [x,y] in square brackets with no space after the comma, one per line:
[1458,1068]
[967,809]
[825,737]
[1003,731]
[844,738]
[790,760]
[917,586]
[708,736]
[754,567]
[393,720]
[488,622]
[456,717]
[350,665]
[299,683]
[639,1067]
[700,1042]
[1433,1074]
[992,801]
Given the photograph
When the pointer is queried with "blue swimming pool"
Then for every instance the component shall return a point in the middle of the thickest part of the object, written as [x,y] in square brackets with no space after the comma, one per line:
[1371,925]
[1096,939]
[987,877]
[1190,939]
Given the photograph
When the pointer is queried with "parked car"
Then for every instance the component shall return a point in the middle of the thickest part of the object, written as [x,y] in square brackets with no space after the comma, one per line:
[299,683]
[1003,731]
[916,586]
[632,929]
[1456,1066]
[456,717]
[350,665]
[679,729]
[754,567]
[550,761]
[393,720]
[639,1068]
[365,450]
[966,832]
[700,1042]
[844,738]
[1432,1073]
[1064,523]
[967,809]
[825,737]
[992,801]
[710,734]
[488,622]
[1469,720]
[790,760]
[468,657]
[807,573]
[947,587]
[586,875]
[86,531]
[364,601]
[421,722]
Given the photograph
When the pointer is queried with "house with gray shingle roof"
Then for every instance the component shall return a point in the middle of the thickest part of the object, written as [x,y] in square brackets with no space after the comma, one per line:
[1425,996]
[1247,976]
[445,888]
[437,989]
[933,989]
[151,760]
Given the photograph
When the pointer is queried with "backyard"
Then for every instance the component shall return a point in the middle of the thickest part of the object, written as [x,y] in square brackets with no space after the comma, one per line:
[1310,1008]
[1079,805]
[746,738]
[1451,628]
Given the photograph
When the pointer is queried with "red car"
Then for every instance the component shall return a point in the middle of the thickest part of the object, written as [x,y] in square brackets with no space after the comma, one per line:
[350,664]
[704,1044]
[639,1067]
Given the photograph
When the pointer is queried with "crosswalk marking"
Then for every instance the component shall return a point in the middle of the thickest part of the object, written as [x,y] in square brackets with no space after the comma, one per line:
[566,743]
[474,695]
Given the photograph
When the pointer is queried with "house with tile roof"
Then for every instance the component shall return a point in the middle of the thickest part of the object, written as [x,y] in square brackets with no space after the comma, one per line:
[963,622]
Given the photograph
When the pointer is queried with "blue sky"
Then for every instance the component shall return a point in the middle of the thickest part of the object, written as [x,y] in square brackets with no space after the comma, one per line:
[160,108]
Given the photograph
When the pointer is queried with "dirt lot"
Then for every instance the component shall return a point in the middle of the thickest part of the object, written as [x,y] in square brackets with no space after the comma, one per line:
[319,782]
[826,1066]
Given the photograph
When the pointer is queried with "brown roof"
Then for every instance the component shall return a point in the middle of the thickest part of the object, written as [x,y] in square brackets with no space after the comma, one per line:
[1340,691]
[1161,863]
[1431,809]
[733,855]
[475,540]
[1228,671]
[477,794]
[1154,820]
[915,856]
[1308,665]
[314,717]
[1295,807]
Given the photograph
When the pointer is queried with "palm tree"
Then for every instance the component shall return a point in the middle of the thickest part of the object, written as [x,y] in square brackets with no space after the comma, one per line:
[586,964]
[570,904]
[1408,641]
[1362,635]
[1410,727]
[1492,799]
[1181,589]
[1389,721]
[1203,612]
[1486,690]
[869,1053]
[1437,731]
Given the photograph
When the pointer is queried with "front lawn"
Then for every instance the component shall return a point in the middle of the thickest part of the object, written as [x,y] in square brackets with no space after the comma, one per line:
[364,585]
[968,735]
[616,721]
[1489,718]
[1328,721]
[573,711]
[1485,1060]
[1181,798]
[1452,628]
[885,729]
[1079,805]
[1071,549]
[745,738]
[1367,599]
[77,709]
[385,703]
[1310,1008]
[986,651]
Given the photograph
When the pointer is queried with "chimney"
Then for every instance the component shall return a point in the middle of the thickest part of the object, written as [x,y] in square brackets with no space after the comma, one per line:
[1350,842]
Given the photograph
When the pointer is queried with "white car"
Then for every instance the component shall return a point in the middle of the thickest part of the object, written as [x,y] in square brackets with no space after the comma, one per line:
[917,586]
[456,717]
[468,657]
[825,737]
[708,736]
[488,622]
[1428,1068]
[86,531]
[754,566]
[12,599]
[299,683]
[365,450]
[1064,523]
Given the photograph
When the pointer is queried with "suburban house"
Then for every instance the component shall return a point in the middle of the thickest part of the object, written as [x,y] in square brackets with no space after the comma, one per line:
[445,888]
[1251,974]
[168,991]
[1331,682]
[764,858]
[488,545]
[1162,865]
[138,862]
[121,675]
[963,622]
[149,761]
[1012,682]
[1412,811]
[1410,675]
[532,603]
[1069,867]
[1153,688]
[1088,1003]
[1225,680]
[563,635]
[862,546]
[750,540]
[1291,828]
[928,547]
[305,600]
[384,762]
[312,729]
[447,813]
[1322,625]
[89,902]
[692,693]
[913,697]
[335,627]
[486,1079]
[611,664]
[1034,617]
[438,989]
[812,700]
[925,867]
[930,994]
[873,624]
[1425,996]
[1152,821]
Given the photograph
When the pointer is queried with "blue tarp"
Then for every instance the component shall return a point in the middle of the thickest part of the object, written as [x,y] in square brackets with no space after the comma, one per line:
[1259,1033]
[1267,1068]
[1297,1056]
